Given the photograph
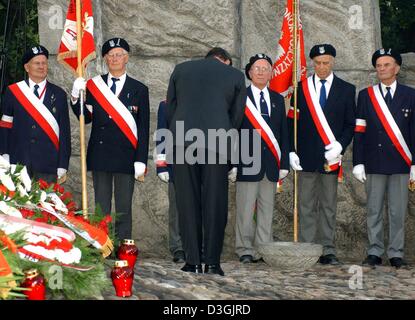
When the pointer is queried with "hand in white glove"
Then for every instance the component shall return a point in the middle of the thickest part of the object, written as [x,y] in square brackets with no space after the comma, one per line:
[164,176]
[78,85]
[6,157]
[359,173]
[334,150]
[232,174]
[61,175]
[412,174]
[295,162]
[139,169]
[283,174]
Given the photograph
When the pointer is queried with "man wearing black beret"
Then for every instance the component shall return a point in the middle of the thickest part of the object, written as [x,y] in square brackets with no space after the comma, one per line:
[384,145]
[35,128]
[118,108]
[266,123]
[326,120]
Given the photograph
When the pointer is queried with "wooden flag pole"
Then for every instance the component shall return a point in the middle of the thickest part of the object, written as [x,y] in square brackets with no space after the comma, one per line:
[295,86]
[81,116]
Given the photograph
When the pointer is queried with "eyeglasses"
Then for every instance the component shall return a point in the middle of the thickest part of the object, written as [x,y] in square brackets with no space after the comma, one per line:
[115,55]
[261,69]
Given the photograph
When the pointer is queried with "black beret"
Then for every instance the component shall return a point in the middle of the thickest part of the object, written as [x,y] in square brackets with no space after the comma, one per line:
[254,59]
[386,52]
[322,49]
[33,52]
[114,43]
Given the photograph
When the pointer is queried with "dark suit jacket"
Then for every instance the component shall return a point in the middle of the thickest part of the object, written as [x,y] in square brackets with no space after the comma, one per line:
[205,94]
[340,113]
[278,125]
[109,150]
[374,148]
[27,143]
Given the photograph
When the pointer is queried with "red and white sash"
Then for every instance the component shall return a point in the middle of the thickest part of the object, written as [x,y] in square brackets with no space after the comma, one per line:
[258,122]
[319,119]
[37,110]
[389,123]
[114,107]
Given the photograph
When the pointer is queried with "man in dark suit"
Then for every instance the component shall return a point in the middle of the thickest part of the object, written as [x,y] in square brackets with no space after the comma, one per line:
[165,174]
[383,150]
[118,108]
[326,120]
[264,118]
[35,128]
[204,96]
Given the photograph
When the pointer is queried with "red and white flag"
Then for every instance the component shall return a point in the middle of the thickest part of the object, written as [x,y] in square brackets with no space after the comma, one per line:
[67,54]
[282,70]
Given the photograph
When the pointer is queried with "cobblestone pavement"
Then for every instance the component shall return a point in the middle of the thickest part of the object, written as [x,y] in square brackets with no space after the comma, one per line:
[157,279]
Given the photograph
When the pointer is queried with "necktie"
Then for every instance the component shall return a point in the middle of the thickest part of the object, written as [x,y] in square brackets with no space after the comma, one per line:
[323,94]
[388,97]
[114,86]
[264,106]
[35,91]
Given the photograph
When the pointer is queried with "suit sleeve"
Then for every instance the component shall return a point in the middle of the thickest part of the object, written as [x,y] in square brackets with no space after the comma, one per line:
[161,165]
[285,140]
[143,127]
[238,106]
[171,99]
[349,120]
[6,122]
[76,107]
[64,134]
[360,131]
[412,128]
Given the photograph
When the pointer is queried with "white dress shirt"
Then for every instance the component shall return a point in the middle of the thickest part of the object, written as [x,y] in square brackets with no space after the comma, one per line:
[257,96]
[392,86]
[327,85]
[119,84]
[42,86]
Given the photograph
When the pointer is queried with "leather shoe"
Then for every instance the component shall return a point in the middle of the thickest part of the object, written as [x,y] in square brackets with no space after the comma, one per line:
[179,257]
[372,260]
[247,258]
[195,268]
[397,262]
[329,259]
[214,269]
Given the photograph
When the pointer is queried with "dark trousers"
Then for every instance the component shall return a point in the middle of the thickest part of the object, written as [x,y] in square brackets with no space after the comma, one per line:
[202,202]
[123,195]
[48,177]
[175,241]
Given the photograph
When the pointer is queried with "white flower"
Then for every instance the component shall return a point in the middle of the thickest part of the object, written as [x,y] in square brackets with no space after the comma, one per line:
[25,179]
[4,163]
[59,205]
[7,181]
[10,211]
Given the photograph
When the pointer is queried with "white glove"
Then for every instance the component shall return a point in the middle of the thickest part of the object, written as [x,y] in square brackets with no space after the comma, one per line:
[359,173]
[412,174]
[164,176]
[61,172]
[283,174]
[232,174]
[139,169]
[334,150]
[295,162]
[61,175]
[6,157]
[78,85]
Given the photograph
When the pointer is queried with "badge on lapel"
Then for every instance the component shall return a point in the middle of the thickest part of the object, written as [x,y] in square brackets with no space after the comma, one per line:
[406,112]
[133,109]
[52,101]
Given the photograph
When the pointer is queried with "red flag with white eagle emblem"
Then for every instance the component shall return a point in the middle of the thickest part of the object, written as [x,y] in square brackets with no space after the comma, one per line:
[282,71]
[67,54]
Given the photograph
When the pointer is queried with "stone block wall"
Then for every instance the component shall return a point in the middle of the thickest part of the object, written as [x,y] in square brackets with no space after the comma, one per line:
[163,33]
